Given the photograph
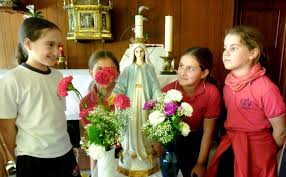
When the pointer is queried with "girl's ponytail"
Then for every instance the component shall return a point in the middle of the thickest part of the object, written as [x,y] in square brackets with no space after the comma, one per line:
[21,54]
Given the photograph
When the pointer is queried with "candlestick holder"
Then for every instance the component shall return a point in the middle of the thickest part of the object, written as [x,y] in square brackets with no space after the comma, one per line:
[168,69]
[62,62]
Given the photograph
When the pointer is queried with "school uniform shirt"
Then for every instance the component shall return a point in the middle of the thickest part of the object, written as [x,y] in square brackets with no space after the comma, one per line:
[248,129]
[251,108]
[30,96]
[205,102]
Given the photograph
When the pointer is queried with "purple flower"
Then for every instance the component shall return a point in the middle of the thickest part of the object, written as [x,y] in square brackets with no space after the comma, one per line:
[149,105]
[170,109]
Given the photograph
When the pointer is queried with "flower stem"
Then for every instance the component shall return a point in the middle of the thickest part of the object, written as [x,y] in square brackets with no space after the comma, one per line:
[100,96]
[80,98]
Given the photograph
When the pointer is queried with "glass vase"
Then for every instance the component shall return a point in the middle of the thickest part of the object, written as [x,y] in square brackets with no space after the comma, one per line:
[168,162]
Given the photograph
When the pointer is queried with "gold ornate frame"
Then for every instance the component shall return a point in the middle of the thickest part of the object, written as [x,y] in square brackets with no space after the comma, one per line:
[89,22]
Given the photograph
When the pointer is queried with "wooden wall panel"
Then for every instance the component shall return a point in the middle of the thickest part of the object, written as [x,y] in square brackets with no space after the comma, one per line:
[3,58]
[203,23]
[9,39]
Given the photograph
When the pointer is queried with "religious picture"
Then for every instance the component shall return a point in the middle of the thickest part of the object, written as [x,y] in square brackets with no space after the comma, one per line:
[86,20]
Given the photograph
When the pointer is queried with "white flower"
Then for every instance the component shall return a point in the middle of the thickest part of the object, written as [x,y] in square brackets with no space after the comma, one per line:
[186,109]
[156,117]
[96,151]
[173,95]
[185,128]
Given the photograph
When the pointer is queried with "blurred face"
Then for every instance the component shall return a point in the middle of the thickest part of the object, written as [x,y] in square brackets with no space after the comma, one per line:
[236,56]
[189,71]
[44,51]
[100,64]
[139,53]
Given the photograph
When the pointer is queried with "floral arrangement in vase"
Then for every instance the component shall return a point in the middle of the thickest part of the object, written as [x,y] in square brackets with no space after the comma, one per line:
[165,119]
[106,121]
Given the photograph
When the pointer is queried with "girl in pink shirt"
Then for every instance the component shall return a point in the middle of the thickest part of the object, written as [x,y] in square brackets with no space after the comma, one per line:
[255,123]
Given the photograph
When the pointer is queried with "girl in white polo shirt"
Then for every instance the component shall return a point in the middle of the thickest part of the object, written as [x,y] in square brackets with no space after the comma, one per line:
[32,118]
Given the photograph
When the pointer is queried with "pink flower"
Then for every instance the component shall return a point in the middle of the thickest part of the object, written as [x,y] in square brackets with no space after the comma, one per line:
[149,105]
[121,101]
[106,76]
[64,86]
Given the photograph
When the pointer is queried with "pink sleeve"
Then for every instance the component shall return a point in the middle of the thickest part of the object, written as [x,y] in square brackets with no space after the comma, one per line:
[273,103]
[214,104]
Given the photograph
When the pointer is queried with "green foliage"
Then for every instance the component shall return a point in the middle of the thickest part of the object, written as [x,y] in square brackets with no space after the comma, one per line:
[33,12]
[105,126]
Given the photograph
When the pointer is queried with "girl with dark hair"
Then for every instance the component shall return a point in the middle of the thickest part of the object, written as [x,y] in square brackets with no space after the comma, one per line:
[193,81]
[32,118]
[255,123]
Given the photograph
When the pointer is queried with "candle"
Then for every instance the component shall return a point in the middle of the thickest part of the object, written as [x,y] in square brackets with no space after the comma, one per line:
[168,33]
[138,26]
[62,52]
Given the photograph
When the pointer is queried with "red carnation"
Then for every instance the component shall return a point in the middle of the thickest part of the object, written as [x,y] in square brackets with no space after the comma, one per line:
[64,86]
[83,114]
[106,76]
[121,101]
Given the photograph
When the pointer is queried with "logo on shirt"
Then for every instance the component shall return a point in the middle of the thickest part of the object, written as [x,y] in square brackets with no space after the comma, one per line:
[245,103]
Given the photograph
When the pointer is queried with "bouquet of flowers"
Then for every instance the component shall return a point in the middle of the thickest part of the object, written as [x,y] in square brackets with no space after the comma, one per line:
[165,119]
[106,121]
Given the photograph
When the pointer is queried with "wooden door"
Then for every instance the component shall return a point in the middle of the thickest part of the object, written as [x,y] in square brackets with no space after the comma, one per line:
[269,16]
[204,23]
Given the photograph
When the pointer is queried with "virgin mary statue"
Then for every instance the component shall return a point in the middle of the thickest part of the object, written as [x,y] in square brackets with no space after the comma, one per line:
[139,82]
